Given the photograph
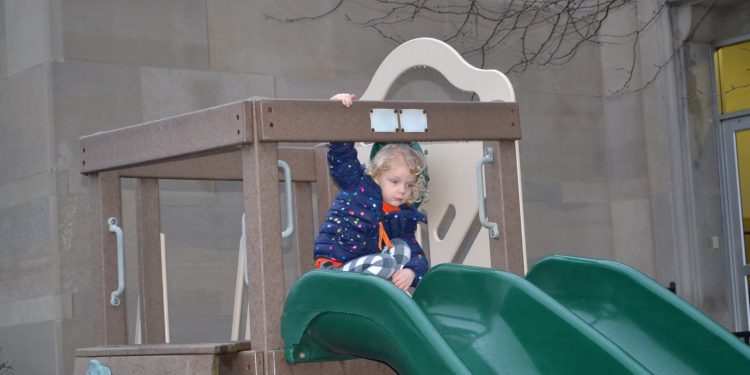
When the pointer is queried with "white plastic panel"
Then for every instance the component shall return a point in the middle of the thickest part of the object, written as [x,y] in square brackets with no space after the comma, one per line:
[452,172]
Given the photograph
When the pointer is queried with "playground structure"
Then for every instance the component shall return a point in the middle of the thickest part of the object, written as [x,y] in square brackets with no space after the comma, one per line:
[241,141]
[568,316]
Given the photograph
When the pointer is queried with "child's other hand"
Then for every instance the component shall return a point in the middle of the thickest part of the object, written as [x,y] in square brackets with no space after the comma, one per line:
[403,278]
[345,99]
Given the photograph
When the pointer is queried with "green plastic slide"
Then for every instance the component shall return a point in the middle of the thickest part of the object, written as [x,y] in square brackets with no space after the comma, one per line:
[661,331]
[571,316]
[462,320]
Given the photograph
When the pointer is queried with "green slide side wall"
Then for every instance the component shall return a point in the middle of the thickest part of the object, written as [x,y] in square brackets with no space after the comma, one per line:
[498,323]
[333,315]
[657,328]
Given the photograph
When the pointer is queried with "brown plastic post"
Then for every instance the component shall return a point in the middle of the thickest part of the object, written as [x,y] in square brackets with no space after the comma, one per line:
[149,261]
[263,236]
[503,207]
[110,321]
[303,227]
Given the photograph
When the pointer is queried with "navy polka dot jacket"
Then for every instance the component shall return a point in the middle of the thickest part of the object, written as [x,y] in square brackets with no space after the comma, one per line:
[351,229]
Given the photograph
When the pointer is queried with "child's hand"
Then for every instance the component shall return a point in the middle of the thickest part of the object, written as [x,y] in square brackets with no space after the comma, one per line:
[403,278]
[345,99]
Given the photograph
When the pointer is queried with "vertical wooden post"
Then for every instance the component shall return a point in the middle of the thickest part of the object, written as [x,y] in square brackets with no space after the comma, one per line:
[110,321]
[503,207]
[149,261]
[264,248]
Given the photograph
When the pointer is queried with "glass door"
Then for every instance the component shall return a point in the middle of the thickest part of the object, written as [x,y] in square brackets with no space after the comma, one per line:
[737,158]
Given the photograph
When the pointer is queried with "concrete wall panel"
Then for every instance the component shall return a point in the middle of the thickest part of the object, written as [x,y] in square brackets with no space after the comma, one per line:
[326,48]
[170,92]
[632,236]
[27,30]
[3,44]
[29,266]
[168,34]
[733,21]
[91,98]
[553,78]
[572,229]
[25,124]
[30,348]
[562,138]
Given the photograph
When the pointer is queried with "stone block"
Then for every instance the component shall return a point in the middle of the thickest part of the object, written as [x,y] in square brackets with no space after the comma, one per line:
[6,191]
[26,125]
[541,191]
[585,192]
[32,310]
[216,272]
[170,92]
[184,303]
[31,348]
[200,329]
[563,139]
[171,34]
[293,86]
[3,44]
[202,226]
[327,48]
[554,79]
[632,234]
[76,333]
[26,230]
[25,280]
[90,98]
[28,37]
[575,229]
[626,189]
[669,243]
[40,185]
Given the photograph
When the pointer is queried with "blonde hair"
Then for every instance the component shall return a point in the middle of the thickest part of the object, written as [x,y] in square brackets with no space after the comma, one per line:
[414,160]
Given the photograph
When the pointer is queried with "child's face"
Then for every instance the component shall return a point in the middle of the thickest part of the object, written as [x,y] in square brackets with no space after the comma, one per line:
[396,183]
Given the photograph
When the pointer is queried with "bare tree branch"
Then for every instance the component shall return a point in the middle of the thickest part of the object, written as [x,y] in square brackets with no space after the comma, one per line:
[535,32]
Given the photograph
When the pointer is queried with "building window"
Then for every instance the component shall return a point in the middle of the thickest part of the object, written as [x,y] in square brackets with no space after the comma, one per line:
[733,77]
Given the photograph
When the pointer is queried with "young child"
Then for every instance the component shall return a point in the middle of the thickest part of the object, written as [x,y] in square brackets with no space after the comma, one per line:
[371,223]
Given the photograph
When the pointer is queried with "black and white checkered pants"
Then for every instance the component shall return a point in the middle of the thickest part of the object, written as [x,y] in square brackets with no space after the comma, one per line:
[384,264]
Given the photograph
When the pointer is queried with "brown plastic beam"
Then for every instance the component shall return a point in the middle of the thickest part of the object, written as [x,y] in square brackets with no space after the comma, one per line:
[225,166]
[222,128]
[191,133]
[325,121]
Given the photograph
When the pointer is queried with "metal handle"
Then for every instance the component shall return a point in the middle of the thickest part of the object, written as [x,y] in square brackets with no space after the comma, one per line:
[115,300]
[289,209]
[492,227]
